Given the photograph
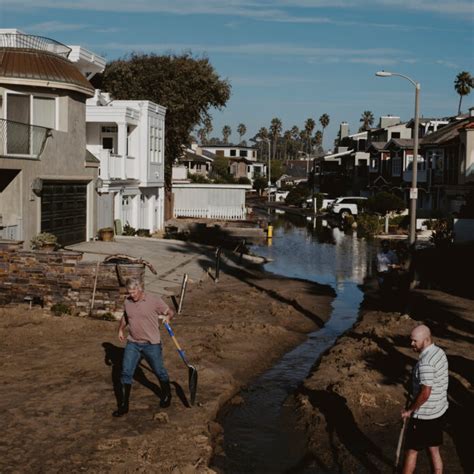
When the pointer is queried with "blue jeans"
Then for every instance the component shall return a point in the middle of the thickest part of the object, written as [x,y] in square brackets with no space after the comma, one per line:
[134,351]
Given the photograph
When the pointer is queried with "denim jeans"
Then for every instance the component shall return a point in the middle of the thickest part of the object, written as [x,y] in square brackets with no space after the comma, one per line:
[134,351]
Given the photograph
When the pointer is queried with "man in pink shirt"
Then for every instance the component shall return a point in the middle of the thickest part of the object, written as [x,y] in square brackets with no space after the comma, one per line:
[142,315]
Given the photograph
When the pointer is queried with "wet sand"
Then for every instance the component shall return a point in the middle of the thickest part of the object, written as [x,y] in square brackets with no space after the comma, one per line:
[58,376]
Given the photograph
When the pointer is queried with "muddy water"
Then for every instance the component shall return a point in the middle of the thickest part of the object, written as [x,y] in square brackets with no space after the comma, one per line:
[260,434]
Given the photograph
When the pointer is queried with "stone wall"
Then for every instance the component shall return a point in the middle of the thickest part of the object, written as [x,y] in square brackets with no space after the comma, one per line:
[61,277]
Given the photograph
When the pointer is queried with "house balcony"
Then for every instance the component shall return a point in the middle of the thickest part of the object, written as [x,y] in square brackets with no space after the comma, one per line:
[421,176]
[113,166]
[20,140]
[40,43]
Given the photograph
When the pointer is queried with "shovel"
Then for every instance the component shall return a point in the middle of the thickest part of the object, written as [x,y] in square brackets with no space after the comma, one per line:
[193,374]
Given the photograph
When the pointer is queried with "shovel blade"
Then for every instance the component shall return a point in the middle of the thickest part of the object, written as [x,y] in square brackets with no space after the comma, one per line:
[193,380]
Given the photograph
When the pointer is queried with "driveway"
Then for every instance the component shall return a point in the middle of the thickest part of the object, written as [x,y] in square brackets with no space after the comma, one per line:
[171,259]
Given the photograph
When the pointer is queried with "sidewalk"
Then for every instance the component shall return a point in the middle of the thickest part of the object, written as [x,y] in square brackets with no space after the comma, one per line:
[170,258]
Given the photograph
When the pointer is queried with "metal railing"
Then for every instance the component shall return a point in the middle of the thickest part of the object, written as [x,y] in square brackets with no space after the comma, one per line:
[21,139]
[14,40]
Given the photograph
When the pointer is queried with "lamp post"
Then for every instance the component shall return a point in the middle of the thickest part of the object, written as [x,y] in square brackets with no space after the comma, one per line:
[413,189]
[269,169]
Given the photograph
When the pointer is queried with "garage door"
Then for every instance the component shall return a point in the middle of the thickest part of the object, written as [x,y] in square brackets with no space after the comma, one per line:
[64,211]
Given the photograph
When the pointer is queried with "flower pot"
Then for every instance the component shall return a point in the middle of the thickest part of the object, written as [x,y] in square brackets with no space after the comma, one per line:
[106,235]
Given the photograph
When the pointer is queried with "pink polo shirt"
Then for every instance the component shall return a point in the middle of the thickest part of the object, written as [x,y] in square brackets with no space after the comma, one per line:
[142,318]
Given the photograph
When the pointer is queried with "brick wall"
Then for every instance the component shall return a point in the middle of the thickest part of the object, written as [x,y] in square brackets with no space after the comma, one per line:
[62,277]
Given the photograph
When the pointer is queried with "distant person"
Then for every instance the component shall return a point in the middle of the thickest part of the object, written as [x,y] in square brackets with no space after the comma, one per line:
[429,403]
[387,261]
[142,315]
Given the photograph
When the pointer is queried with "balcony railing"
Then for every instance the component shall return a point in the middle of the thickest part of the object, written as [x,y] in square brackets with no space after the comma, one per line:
[22,140]
[14,40]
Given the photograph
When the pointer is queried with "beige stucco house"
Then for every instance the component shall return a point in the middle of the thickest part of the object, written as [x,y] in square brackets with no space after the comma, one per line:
[47,177]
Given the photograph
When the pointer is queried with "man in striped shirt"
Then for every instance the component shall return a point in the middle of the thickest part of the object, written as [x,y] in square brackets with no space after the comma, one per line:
[430,401]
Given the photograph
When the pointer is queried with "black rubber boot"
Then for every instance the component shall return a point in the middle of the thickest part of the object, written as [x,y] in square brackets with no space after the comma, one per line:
[165,394]
[124,402]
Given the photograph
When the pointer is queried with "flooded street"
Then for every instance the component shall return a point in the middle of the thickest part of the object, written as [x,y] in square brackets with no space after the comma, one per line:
[259,434]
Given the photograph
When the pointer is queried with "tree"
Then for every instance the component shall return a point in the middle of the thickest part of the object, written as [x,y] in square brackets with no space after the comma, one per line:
[207,122]
[241,130]
[367,119]
[187,86]
[276,170]
[324,121]
[309,127]
[275,130]
[318,138]
[259,184]
[226,133]
[286,139]
[463,84]
[385,202]
[220,170]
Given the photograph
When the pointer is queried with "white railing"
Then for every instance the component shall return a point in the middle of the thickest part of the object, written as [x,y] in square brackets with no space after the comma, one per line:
[213,212]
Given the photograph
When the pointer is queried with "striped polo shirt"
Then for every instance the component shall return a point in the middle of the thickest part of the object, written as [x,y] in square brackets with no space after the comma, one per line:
[432,370]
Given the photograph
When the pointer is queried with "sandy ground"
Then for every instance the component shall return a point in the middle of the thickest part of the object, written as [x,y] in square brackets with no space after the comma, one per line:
[350,404]
[58,376]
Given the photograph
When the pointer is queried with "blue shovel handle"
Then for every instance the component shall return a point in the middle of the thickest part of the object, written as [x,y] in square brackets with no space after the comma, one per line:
[176,343]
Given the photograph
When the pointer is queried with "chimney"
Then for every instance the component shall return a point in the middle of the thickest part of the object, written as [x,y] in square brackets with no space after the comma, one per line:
[343,130]
[387,120]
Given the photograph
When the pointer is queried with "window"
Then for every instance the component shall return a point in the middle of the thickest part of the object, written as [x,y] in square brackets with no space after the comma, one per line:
[420,163]
[243,153]
[395,134]
[396,165]
[22,111]
[233,152]
[108,143]
[110,129]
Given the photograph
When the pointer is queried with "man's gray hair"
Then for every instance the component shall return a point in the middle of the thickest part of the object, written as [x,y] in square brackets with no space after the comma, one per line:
[132,283]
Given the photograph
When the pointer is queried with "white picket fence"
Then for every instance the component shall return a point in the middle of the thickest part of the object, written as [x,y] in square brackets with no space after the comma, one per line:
[211,201]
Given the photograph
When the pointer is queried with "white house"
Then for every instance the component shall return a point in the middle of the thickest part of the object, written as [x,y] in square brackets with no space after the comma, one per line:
[243,160]
[127,136]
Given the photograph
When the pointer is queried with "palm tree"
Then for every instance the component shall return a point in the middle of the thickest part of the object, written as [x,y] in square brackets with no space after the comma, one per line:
[318,138]
[241,130]
[309,127]
[202,135]
[463,84]
[367,119]
[324,121]
[275,130]
[226,133]
[287,138]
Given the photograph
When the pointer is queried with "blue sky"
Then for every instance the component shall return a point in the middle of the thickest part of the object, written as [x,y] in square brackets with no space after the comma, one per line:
[291,59]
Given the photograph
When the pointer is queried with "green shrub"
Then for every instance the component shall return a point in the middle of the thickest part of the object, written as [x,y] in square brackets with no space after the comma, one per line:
[59,309]
[143,233]
[368,225]
[42,239]
[128,230]
[385,202]
[298,194]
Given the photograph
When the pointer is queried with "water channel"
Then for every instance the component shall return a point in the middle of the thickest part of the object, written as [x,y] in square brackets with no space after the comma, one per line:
[260,434]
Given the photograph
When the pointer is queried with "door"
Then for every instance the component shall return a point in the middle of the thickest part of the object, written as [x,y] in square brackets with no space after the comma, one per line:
[64,211]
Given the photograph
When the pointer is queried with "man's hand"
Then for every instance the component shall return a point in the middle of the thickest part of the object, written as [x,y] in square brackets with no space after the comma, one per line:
[121,335]
[406,414]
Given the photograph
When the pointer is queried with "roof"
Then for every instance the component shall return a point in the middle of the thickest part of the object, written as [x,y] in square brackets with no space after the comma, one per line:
[400,143]
[189,155]
[90,158]
[38,68]
[377,146]
[448,132]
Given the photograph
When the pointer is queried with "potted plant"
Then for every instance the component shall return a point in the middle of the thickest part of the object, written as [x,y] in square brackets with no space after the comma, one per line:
[44,241]
[106,234]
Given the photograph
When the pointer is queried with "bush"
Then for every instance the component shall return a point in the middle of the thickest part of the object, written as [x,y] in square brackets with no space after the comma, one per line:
[198,178]
[259,183]
[43,239]
[59,309]
[244,180]
[128,230]
[385,202]
[368,225]
[143,233]
[298,194]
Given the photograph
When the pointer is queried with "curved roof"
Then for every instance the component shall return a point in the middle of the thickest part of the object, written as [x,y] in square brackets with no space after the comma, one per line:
[29,67]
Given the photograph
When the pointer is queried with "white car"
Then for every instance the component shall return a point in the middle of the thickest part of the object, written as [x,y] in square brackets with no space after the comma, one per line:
[347,205]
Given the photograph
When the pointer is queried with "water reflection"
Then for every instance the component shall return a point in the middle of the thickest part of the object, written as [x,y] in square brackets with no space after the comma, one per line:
[317,251]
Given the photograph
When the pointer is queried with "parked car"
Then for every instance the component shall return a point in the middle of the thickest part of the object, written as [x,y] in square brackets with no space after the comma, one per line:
[347,205]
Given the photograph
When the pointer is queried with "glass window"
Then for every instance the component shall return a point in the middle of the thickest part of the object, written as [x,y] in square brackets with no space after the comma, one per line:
[396,165]
[44,111]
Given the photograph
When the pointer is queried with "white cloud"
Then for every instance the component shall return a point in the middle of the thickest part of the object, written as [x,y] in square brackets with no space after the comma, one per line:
[448,64]
[54,26]
[274,10]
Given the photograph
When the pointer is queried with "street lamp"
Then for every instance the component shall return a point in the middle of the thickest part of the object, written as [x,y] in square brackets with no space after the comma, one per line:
[413,189]
[258,139]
